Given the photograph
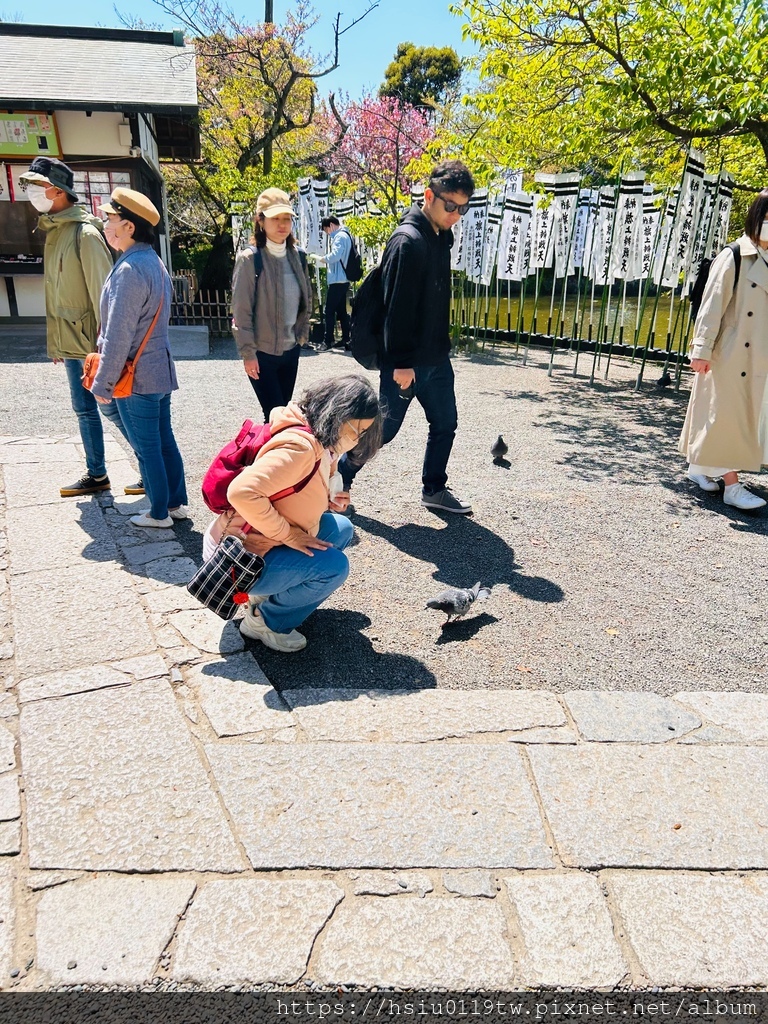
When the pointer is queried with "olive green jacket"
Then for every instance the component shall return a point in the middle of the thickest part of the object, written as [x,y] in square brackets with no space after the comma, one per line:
[75,271]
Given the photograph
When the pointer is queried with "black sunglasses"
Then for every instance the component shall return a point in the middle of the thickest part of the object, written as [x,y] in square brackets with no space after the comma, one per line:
[451,207]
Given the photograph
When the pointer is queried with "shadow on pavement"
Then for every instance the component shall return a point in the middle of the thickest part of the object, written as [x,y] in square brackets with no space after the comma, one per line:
[476,553]
[339,656]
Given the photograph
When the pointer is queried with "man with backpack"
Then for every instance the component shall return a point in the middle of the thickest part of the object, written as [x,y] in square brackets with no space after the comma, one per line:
[415,356]
[338,282]
[76,263]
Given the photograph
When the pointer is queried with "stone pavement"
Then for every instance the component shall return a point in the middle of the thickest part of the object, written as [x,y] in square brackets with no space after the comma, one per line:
[169,819]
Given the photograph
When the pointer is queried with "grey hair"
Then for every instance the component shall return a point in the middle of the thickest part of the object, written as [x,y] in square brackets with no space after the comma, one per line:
[331,403]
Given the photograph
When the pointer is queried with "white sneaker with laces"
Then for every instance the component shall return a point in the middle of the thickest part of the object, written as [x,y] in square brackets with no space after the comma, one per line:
[706,483]
[145,519]
[738,496]
[182,512]
[255,628]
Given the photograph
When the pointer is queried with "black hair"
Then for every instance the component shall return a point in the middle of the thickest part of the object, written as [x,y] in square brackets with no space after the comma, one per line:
[328,222]
[331,403]
[261,236]
[142,229]
[452,176]
[756,214]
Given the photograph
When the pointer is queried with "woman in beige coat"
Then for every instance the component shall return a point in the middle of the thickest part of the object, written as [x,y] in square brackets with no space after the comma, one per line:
[729,355]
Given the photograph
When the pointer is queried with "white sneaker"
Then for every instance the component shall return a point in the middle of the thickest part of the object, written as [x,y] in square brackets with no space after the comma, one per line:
[182,512]
[738,496]
[706,483]
[145,519]
[255,628]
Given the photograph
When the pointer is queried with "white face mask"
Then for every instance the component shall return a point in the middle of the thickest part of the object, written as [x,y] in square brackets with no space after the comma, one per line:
[38,198]
[764,232]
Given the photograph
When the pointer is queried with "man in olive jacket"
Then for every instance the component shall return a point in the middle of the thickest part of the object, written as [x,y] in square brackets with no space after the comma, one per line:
[76,263]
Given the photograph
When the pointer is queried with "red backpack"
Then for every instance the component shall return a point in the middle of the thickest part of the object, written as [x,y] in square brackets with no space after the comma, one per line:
[235,456]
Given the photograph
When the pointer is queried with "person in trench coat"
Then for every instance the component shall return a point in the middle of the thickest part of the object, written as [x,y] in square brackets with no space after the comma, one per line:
[729,356]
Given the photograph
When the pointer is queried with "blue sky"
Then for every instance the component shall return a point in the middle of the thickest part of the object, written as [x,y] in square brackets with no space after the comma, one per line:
[365,50]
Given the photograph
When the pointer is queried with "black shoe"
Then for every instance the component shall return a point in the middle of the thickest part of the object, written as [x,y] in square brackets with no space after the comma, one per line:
[86,485]
[137,488]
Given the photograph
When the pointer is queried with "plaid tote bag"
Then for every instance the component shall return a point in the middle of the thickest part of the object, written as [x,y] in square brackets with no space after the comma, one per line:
[222,583]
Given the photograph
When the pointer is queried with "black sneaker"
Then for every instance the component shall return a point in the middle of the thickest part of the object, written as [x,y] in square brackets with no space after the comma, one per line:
[86,485]
[137,488]
[445,501]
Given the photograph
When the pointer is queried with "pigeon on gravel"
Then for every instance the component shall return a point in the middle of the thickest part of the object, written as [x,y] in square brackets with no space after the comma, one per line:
[455,602]
[499,449]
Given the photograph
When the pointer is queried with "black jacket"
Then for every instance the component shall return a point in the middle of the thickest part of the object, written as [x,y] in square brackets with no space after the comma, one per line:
[416,279]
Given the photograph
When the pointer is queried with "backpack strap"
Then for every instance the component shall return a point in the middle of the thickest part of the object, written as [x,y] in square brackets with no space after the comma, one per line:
[736,250]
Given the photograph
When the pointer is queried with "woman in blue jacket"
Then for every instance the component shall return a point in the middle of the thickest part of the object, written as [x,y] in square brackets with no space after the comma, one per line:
[137,288]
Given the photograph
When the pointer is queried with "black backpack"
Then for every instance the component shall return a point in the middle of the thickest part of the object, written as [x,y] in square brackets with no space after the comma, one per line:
[697,291]
[367,328]
[353,268]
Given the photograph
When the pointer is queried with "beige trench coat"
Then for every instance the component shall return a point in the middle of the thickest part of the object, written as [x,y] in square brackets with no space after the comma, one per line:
[721,425]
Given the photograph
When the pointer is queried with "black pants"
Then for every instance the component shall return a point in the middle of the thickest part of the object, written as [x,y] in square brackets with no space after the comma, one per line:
[277,377]
[336,306]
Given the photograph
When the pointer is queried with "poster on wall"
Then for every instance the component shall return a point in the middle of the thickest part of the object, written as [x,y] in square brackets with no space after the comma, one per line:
[28,134]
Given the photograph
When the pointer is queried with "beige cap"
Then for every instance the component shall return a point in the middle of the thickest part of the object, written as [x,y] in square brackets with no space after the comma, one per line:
[272,202]
[127,200]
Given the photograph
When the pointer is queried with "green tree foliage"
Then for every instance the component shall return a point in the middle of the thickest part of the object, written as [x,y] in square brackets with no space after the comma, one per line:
[421,75]
[574,84]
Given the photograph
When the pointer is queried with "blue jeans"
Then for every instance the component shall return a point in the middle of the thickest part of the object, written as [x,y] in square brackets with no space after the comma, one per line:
[86,408]
[147,422]
[277,377]
[297,584]
[434,391]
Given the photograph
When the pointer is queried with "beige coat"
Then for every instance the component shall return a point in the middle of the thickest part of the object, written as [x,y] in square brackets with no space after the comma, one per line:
[721,425]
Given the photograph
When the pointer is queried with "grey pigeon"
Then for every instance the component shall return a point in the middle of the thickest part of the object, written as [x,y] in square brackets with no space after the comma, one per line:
[499,449]
[456,603]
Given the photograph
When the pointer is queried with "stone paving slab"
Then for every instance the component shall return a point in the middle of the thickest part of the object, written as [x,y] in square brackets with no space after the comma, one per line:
[419,716]
[33,484]
[10,837]
[139,554]
[695,929]
[76,534]
[162,572]
[37,880]
[113,782]
[171,599]
[59,618]
[31,453]
[79,680]
[744,715]
[566,931]
[10,802]
[676,807]
[7,749]
[252,931]
[390,883]
[406,942]
[149,667]
[614,717]
[208,632]
[469,883]
[7,922]
[381,805]
[108,930]
[236,697]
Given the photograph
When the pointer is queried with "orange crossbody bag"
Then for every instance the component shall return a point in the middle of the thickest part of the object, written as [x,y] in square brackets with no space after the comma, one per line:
[124,386]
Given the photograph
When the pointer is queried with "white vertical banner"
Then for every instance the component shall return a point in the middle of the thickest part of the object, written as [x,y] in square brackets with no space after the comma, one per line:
[585,208]
[318,208]
[541,235]
[652,212]
[683,227]
[601,238]
[417,195]
[629,222]
[565,190]
[360,203]
[457,249]
[304,217]
[722,215]
[700,231]
[490,248]
[513,182]
[343,207]
[473,234]
[5,192]
[514,253]
[665,233]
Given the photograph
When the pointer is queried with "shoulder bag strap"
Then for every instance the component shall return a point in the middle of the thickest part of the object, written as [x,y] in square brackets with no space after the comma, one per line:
[148,335]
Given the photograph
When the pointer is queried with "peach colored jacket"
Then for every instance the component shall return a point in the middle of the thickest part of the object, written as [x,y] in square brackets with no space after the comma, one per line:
[284,461]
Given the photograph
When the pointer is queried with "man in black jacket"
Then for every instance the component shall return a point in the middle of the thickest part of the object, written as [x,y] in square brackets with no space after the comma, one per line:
[416,278]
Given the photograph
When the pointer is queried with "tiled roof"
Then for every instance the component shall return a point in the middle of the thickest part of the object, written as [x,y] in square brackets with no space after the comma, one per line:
[122,70]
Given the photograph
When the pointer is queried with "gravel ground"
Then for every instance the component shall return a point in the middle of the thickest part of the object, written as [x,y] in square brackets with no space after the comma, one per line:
[609,570]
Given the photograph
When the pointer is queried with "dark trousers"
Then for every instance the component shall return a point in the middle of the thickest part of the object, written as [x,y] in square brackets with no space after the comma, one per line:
[435,393]
[336,306]
[277,377]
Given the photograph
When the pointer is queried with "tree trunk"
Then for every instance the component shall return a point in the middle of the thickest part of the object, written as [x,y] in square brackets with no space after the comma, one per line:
[217,272]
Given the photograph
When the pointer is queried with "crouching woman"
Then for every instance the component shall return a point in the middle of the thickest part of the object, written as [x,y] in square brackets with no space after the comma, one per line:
[285,507]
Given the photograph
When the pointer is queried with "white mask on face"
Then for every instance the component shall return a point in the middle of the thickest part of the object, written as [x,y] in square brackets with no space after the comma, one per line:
[38,198]
[764,232]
